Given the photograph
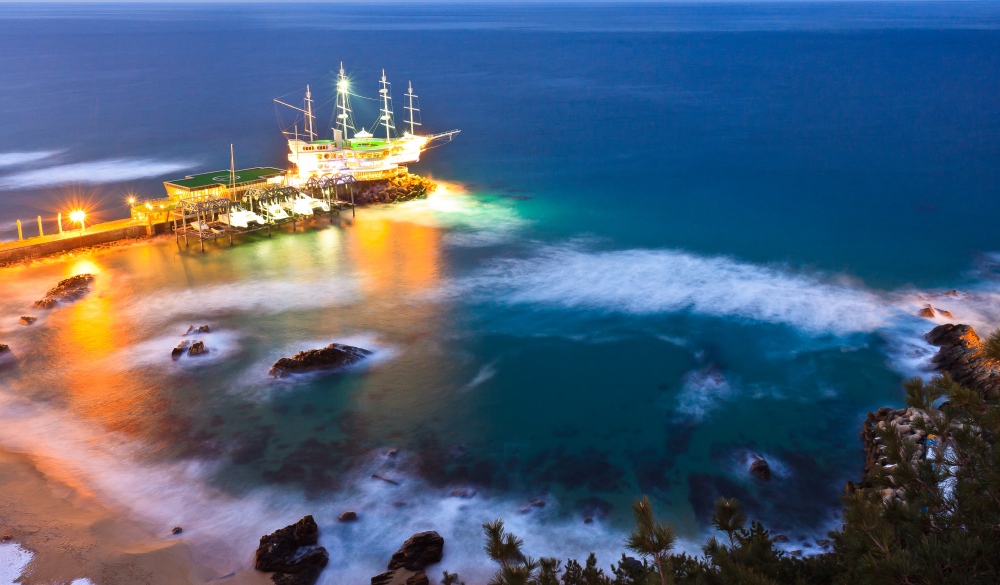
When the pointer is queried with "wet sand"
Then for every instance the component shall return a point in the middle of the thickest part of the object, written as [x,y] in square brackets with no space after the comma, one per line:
[74,536]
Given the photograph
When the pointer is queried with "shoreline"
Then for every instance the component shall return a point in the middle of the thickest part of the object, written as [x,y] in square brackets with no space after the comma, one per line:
[72,536]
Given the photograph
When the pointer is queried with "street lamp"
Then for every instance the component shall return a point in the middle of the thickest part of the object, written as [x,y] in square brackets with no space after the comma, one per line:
[78,216]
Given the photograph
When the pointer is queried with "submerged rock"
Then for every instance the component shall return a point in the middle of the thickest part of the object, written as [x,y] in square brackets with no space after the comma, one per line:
[192,329]
[292,554]
[27,320]
[333,356]
[176,530]
[197,348]
[961,355]
[4,349]
[67,290]
[760,469]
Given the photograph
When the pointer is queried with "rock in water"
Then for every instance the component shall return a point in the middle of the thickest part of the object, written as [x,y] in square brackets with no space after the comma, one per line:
[961,355]
[349,516]
[760,469]
[292,554]
[197,348]
[70,289]
[178,351]
[335,355]
[27,320]
[4,349]
[408,563]
[420,550]
[927,312]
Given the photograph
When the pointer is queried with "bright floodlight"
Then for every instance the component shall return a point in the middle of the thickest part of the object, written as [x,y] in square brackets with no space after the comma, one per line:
[342,85]
[77,216]
[131,200]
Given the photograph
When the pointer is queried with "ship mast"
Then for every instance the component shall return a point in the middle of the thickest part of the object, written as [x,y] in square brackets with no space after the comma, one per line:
[386,108]
[410,110]
[343,105]
[309,115]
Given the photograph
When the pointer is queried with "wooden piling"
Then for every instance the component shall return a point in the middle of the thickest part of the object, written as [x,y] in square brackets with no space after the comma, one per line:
[20,236]
[59,221]
[40,232]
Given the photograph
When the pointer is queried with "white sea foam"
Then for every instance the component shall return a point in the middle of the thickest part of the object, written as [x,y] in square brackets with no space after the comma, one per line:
[266,296]
[13,159]
[470,221]
[704,390]
[93,173]
[13,560]
[484,375]
[664,281]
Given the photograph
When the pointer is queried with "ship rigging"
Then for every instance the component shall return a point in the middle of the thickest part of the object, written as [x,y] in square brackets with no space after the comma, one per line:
[357,153]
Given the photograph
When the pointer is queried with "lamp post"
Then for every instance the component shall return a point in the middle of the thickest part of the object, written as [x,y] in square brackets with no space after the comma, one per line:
[78,216]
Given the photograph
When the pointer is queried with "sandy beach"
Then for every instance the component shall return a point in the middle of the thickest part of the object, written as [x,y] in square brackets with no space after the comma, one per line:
[70,536]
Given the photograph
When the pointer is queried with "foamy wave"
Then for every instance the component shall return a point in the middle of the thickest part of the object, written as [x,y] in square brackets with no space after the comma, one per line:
[92,173]
[703,391]
[472,222]
[13,560]
[262,296]
[664,281]
[11,159]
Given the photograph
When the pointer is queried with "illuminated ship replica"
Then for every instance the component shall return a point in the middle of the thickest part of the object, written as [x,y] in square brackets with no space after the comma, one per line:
[359,155]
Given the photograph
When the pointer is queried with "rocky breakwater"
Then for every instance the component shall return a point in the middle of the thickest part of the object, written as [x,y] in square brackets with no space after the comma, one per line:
[900,420]
[333,356]
[406,567]
[403,188]
[961,356]
[292,554]
[71,289]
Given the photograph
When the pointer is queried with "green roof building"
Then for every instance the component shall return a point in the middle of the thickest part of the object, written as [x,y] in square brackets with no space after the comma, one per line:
[217,183]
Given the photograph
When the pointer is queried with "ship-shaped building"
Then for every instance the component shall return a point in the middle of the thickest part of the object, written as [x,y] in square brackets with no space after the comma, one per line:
[376,155]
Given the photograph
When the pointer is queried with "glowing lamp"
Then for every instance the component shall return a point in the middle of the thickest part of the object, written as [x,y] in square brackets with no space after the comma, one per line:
[78,216]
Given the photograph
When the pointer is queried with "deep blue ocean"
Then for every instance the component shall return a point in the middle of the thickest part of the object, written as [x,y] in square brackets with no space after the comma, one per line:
[669,237]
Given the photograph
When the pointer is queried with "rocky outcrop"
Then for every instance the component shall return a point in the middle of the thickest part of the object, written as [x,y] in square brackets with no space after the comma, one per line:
[68,290]
[901,420]
[333,356]
[403,188]
[292,554]
[4,350]
[961,356]
[197,348]
[406,567]
[760,469]
[27,320]
[201,329]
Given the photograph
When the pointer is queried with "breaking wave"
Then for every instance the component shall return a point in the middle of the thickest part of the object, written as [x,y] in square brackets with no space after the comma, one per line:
[92,173]
[642,282]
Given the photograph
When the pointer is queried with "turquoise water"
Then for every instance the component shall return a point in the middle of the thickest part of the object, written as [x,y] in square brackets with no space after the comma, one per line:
[669,237]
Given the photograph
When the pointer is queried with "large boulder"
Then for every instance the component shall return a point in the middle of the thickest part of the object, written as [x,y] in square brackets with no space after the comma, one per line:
[408,563]
[292,554]
[961,356]
[760,469]
[335,355]
[67,290]
[420,550]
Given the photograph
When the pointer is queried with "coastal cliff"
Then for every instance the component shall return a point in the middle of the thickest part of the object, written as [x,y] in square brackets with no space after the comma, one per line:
[961,356]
